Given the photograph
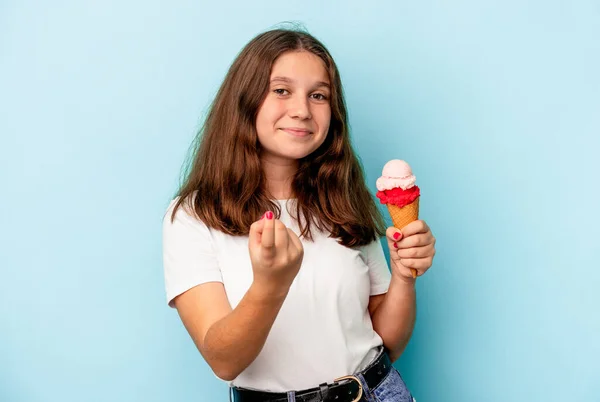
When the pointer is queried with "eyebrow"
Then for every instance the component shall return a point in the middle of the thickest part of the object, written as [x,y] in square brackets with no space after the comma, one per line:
[290,81]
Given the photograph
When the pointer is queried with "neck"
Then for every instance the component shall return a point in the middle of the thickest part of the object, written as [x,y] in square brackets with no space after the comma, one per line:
[279,174]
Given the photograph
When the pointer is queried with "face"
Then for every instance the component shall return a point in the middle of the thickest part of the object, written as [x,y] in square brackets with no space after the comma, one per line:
[293,120]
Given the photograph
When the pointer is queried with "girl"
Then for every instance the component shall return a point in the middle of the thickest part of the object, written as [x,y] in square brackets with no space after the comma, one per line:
[271,248]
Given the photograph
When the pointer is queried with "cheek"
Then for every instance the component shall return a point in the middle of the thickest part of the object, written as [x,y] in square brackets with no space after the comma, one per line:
[261,118]
[323,118]
[269,112]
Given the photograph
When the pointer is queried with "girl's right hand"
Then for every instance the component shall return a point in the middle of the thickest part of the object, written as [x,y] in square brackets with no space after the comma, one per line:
[276,254]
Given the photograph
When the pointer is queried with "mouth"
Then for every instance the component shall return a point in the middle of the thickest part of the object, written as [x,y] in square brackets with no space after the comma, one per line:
[297,132]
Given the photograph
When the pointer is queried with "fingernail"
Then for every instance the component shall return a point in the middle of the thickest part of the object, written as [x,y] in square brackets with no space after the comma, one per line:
[269,215]
[397,235]
[395,245]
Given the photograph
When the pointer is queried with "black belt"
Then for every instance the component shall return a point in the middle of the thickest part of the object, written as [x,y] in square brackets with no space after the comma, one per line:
[344,389]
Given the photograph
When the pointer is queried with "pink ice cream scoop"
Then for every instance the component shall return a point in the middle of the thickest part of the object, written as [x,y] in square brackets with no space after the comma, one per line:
[396,173]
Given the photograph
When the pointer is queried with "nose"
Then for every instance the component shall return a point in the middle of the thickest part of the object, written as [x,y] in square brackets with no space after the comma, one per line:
[299,108]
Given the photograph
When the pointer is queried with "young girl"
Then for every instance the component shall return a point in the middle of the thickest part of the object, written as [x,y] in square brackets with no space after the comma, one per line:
[271,248]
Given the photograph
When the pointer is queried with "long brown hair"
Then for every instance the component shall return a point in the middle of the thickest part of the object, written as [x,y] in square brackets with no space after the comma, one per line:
[226,184]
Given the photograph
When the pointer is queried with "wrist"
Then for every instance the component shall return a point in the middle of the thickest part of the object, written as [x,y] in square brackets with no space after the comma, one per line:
[267,293]
[403,280]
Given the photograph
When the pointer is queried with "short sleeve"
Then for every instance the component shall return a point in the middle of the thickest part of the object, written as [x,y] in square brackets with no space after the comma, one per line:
[189,258]
[379,271]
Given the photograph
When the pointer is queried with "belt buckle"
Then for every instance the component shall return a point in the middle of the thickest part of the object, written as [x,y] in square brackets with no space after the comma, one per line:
[353,378]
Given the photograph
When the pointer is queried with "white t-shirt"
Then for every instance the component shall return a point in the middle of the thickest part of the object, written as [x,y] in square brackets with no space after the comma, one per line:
[323,330]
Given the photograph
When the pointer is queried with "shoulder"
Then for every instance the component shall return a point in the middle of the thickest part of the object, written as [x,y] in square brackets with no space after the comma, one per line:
[373,254]
[372,247]
[179,217]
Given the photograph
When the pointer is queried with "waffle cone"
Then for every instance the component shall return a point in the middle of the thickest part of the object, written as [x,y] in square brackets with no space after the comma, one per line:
[402,216]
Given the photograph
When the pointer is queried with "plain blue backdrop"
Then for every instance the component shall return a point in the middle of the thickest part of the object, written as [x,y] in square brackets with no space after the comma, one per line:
[495,104]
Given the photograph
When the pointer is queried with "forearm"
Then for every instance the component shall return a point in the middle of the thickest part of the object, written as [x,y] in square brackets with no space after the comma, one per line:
[232,343]
[394,318]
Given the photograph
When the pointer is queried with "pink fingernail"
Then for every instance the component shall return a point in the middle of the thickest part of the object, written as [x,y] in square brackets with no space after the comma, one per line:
[269,215]
[395,245]
[397,235]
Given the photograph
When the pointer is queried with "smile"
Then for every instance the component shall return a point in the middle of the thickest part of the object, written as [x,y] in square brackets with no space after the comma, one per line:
[296,132]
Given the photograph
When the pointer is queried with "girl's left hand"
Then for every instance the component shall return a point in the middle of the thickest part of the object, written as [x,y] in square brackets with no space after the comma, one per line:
[413,247]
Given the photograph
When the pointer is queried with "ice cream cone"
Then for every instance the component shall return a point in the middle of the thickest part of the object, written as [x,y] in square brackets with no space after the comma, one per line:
[397,189]
[402,216]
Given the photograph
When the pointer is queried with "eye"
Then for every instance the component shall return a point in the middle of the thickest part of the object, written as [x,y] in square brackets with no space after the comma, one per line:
[319,96]
[280,91]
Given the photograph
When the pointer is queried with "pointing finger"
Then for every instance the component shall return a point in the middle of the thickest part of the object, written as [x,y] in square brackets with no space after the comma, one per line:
[256,230]
[393,234]
[268,235]
[415,227]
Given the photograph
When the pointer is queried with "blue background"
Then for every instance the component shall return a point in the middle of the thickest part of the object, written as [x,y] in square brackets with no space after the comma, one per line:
[495,104]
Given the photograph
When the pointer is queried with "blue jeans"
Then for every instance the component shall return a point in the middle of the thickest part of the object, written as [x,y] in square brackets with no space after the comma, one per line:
[391,389]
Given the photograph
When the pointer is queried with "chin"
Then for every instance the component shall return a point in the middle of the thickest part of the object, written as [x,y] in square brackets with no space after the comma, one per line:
[291,151]
[294,156]
[298,154]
